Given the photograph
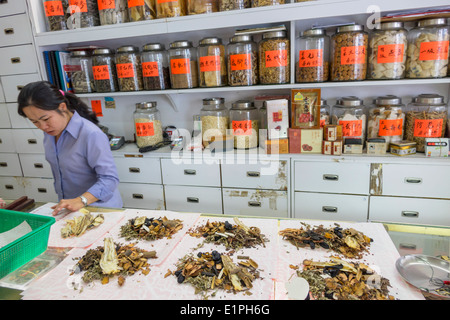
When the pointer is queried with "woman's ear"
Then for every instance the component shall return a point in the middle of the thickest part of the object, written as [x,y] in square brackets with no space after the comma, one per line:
[62,107]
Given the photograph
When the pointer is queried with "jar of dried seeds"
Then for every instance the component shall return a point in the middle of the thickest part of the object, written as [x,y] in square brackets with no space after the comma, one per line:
[212,65]
[147,120]
[155,67]
[215,120]
[242,54]
[225,5]
[168,9]
[83,14]
[140,10]
[104,70]
[202,6]
[274,58]
[263,3]
[349,112]
[129,72]
[349,47]
[81,72]
[112,11]
[183,65]
[244,122]
[55,14]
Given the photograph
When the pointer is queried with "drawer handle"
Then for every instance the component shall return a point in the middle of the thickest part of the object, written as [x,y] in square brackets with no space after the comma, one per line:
[38,165]
[19,88]
[192,200]
[138,196]
[413,180]
[329,209]
[3,164]
[253,174]
[15,60]
[254,204]
[134,170]
[331,177]
[32,141]
[190,172]
[3,1]
[410,214]
[42,190]
[9,31]
[9,187]
[1,141]
[407,246]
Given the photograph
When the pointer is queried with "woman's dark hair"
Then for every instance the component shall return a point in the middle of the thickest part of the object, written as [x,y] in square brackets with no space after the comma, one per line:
[46,96]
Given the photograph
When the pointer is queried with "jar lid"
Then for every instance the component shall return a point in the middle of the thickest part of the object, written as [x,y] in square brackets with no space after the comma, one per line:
[429,98]
[79,53]
[101,51]
[243,105]
[323,102]
[241,38]
[274,34]
[153,47]
[391,25]
[181,44]
[352,27]
[388,99]
[314,32]
[212,40]
[432,22]
[127,49]
[145,105]
[350,101]
[213,101]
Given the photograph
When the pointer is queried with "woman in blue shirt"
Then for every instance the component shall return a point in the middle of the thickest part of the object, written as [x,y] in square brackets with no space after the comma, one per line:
[78,151]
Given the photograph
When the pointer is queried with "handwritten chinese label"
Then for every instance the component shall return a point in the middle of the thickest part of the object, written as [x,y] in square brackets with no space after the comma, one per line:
[150,69]
[106,4]
[81,4]
[390,127]
[433,50]
[240,61]
[353,55]
[276,58]
[180,66]
[351,128]
[428,128]
[389,53]
[145,129]
[101,72]
[135,3]
[310,58]
[96,106]
[242,128]
[53,8]
[125,70]
[209,63]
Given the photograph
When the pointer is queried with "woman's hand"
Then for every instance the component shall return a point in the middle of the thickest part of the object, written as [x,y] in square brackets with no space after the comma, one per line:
[68,204]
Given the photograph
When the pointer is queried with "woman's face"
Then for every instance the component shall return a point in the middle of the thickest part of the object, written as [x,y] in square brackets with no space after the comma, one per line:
[51,122]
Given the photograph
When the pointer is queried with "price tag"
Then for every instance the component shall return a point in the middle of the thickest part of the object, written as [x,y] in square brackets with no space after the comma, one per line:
[241,61]
[433,50]
[135,3]
[428,128]
[96,106]
[180,66]
[389,53]
[81,4]
[353,55]
[310,58]
[125,70]
[150,69]
[242,128]
[101,72]
[276,58]
[53,8]
[145,129]
[106,4]
[390,127]
[209,63]
[351,128]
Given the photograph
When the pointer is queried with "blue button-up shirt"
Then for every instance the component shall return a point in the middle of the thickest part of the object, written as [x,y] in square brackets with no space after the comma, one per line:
[81,161]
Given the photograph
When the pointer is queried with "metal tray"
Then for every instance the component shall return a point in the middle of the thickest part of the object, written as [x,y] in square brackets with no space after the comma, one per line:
[426,273]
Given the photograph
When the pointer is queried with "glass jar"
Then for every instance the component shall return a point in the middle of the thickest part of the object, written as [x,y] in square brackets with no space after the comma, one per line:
[212,66]
[242,59]
[141,10]
[155,67]
[183,65]
[387,51]
[426,117]
[312,56]
[202,6]
[168,9]
[349,112]
[81,72]
[263,3]
[428,49]
[244,122]
[274,58]
[386,119]
[349,53]
[112,11]
[225,5]
[55,15]
[104,70]
[83,14]
[147,121]
[129,72]
[215,119]
[325,113]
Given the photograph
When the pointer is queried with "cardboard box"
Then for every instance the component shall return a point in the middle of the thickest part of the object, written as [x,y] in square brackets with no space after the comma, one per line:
[403,148]
[305,140]
[332,132]
[353,148]
[436,147]
[277,118]
[277,146]
[376,147]
[332,147]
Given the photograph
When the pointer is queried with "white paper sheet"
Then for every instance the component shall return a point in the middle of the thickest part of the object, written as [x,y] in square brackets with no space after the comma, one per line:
[15,233]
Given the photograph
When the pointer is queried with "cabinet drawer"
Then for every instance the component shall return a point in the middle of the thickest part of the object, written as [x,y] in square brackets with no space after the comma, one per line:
[17,121]
[270,175]
[193,199]
[410,210]
[15,30]
[11,188]
[40,189]
[332,177]
[269,203]
[174,173]
[35,165]
[10,165]
[339,207]
[29,140]
[144,170]
[13,84]
[4,116]
[8,7]
[6,141]
[142,196]
[416,180]
[17,60]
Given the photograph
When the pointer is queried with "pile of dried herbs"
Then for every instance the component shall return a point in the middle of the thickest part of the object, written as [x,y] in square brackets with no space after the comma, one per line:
[349,242]
[79,225]
[233,236]
[209,271]
[143,228]
[112,259]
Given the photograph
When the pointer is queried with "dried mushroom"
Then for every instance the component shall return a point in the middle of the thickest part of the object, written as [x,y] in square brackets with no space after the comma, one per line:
[149,229]
[79,225]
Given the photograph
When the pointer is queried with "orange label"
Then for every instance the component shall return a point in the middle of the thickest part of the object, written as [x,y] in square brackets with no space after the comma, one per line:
[391,127]
[242,128]
[241,61]
[389,53]
[150,69]
[53,8]
[145,129]
[101,72]
[135,3]
[81,4]
[125,70]
[322,123]
[428,128]
[106,4]
[434,50]
[351,128]
[310,58]
[353,55]
[180,66]
[164,1]
[276,58]
[209,63]
[96,106]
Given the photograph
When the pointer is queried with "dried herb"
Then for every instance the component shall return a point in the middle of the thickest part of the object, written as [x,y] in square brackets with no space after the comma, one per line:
[79,225]
[149,229]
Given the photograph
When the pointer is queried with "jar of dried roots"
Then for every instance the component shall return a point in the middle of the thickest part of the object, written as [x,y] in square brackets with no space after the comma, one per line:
[112,11]
[147,120]
[155,67]
[212,65]
[83,14]
[141,10]
[274,58]
[128,65]
[350,113]
[55,14]
[81,72]
[242,59]
[168,9]
[183,65]
[104,70]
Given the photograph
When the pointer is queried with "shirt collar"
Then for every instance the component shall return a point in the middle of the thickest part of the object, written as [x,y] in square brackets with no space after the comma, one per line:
[74,125]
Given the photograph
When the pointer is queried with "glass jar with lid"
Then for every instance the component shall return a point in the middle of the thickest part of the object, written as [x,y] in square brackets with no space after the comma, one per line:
[147,121]
[215,120]
[202,6]
[226,5]
[386,119]
[168,9]
[104,70]
[428,49]
[387,51]
[274,58]
[81,71]
[183,65]
[350,113]
[128,66]
[141,10]
[426,117]
[55,15]
[349,53]
[325,113]
[155,67]
[212,65]
[83,14]
[242,53]
[113,11]
[312,56]
[244,122]
[263,3]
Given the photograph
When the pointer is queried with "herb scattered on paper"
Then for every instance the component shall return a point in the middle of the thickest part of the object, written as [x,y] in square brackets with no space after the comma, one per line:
[143,228]
[79,225]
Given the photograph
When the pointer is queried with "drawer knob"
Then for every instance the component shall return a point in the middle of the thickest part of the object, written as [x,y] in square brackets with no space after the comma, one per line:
[32,141]
[329,209]
[42,190]
[38,165]
[413,180]
[9,187]
[3,164]
[134,170]
[15,60]
[138,196]
[409,246]
[9,31]
[192,200]
[253,174]
[190,172]
[3,1]
[331,177]
[254,204]
[410,214]
[19,87]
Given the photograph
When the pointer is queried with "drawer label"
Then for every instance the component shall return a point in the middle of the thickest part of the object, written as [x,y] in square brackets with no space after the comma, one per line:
[431,128]
[53,8]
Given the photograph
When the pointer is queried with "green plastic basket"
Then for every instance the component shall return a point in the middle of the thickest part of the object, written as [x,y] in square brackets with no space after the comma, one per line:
[26,248]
